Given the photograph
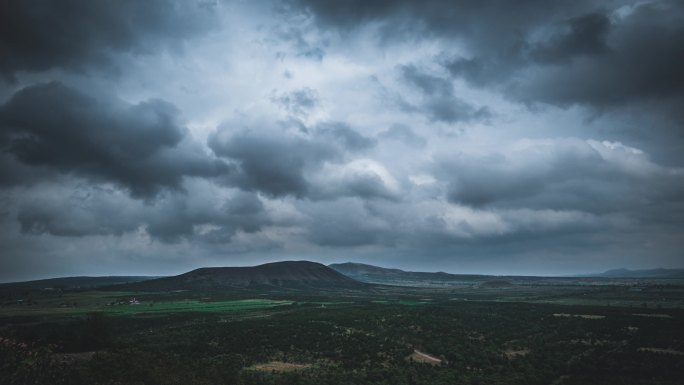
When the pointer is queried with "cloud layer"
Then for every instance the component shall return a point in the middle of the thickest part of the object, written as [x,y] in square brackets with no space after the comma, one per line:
[529,137]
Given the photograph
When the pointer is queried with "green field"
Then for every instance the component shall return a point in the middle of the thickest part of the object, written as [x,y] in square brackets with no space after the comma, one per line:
[119,303]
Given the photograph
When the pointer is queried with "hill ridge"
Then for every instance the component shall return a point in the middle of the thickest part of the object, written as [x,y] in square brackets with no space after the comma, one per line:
[282,275]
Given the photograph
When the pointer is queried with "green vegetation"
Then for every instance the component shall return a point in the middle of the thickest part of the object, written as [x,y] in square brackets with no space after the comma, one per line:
[126,303]
[524,334]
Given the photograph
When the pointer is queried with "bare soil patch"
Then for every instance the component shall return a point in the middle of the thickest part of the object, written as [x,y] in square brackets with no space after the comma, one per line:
[584,316]
[74,357]
[279,366]
[655,315]
[662,350]
[588,342]
[418,356]
[512,353]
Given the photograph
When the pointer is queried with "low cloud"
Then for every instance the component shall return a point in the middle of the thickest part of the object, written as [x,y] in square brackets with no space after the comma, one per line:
[205,215]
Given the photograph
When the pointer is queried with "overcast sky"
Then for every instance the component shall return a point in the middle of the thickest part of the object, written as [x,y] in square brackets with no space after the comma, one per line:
[503,137]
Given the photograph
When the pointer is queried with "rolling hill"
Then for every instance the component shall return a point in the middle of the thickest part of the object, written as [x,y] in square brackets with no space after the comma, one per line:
[279,276]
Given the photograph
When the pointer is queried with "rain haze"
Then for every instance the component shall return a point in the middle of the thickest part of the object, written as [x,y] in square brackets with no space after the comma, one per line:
[513,138]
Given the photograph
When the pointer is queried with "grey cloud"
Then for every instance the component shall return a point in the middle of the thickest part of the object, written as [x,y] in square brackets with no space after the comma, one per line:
[77,210]
[86,211]
[299,102]
[579,36]
[207,222]
[439,102]
[589,176]
[354,179]
[279,163]
[597,62]
[435,227]
[428,84]
[348,137]
[269,162]
[365,186]
[302,46]
[403,134]
[557,52]
[644,48]
[14,172]
[77,35]
[498,22]
[485,71]
[141,147]
[346,223]
[352,156]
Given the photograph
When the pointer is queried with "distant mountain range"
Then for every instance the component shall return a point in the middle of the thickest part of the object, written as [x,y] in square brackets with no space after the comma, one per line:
[279,276]
[74,282]
[387,276]
[648,273]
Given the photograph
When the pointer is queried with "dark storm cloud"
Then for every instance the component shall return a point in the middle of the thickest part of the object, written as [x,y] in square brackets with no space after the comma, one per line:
[141,147]
[14,172]
[494,33]
[579,36]
[37,35]
[556,52]
[398,19]
[562,41]
[279,163]
[207,223]
[639,63]
[271,163]
[439,102]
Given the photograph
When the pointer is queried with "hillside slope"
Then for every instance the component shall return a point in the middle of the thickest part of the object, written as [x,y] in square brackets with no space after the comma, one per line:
[287,275]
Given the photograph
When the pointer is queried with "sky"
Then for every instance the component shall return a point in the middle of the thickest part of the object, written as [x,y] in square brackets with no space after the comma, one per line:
[501,137]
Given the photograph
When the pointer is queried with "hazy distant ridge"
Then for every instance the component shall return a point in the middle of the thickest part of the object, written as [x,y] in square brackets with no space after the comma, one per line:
[75,282]
[647,273]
